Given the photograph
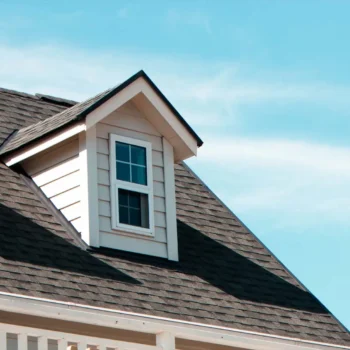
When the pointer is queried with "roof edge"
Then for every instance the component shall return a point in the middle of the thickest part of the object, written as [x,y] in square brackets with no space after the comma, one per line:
[149,323]
[263,244]
[99,102]
[142,74]
[44,138]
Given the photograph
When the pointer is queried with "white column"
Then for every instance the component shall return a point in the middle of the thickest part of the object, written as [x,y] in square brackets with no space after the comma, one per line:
[89,186]
[166,340]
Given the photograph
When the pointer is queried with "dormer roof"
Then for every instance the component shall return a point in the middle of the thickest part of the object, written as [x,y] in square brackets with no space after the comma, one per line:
[225,277]
[78,112]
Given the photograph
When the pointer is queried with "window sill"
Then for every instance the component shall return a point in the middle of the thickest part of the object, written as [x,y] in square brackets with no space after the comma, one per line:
[134,231]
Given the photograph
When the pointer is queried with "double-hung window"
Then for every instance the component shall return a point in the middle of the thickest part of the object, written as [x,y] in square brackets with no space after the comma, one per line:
[131,185]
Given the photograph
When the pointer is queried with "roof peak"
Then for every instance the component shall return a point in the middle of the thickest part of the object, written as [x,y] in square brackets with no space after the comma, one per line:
[79,111]
[17,93]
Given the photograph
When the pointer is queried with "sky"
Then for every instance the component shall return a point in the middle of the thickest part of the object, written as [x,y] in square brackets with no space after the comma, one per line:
[266,85]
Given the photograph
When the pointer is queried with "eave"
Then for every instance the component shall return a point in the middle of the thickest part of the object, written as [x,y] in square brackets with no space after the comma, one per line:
[164,327]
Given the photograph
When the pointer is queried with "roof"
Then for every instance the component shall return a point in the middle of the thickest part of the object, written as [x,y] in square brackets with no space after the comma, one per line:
[77,112]
[225,276]
[19,110]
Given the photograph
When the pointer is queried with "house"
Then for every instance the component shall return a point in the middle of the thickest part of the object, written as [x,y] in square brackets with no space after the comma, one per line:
[110,241]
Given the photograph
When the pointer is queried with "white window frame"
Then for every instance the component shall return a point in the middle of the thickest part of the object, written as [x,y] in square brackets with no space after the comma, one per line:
[130,186]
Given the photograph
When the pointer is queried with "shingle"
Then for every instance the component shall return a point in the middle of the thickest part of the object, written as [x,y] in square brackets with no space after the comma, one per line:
[225,276]
[42,127]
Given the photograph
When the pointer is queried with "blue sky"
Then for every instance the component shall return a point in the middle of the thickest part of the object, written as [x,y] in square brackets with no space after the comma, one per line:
[266,84]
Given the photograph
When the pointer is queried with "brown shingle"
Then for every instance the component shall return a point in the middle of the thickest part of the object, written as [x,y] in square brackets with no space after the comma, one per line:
[225,276]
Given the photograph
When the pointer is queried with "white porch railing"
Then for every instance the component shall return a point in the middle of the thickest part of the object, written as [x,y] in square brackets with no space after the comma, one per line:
[14,337]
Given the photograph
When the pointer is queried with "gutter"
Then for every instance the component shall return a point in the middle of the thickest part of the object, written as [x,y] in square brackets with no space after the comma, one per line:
[152,324]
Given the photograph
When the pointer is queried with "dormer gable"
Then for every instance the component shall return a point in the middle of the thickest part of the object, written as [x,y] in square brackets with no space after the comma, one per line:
[109,166]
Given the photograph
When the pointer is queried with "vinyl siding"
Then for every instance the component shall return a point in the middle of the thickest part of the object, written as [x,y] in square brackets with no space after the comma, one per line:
[56,172]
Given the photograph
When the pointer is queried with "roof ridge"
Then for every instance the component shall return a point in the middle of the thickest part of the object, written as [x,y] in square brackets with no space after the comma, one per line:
[40,97]
[18,93]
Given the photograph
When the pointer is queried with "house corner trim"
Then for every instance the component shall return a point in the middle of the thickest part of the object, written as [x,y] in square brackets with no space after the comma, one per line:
[170,201]
[89,187]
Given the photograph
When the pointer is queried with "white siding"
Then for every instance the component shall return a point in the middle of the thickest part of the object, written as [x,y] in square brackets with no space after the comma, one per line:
[56,172]
[128,121]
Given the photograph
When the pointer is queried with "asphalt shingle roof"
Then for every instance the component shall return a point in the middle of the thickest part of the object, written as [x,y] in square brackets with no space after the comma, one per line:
[225,276]
[32,132]
[19,110]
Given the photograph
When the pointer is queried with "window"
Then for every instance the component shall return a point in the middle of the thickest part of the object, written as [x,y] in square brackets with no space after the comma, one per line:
[131,185]
[131,163]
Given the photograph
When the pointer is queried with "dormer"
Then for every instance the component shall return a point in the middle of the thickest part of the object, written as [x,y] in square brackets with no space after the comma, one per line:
[107,165]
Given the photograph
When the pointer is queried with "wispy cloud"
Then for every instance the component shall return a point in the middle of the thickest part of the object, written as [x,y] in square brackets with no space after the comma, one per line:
[208,83]
[204,92]
[208,96]
[280,179]
[278,153]
[195,19]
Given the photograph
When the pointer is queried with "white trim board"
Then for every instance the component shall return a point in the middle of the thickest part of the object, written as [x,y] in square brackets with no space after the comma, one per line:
[130,186]
[155,325]
[89,187]
[159,115]
[170,201]
[43,145]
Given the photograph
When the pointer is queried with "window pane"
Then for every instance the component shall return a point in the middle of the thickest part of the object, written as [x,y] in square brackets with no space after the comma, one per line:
[123,215]
[144,211]
[122,151]
[139,175]
[123,171]
[138,155]
[133,208]
[135,217]
[123,197]
[134,200]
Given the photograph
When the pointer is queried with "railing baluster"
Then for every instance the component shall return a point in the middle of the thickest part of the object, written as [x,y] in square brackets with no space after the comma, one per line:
[44,337]
[82,346]
[42,343]
[22,341]
[3,340]
[103,346]
[62,344]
